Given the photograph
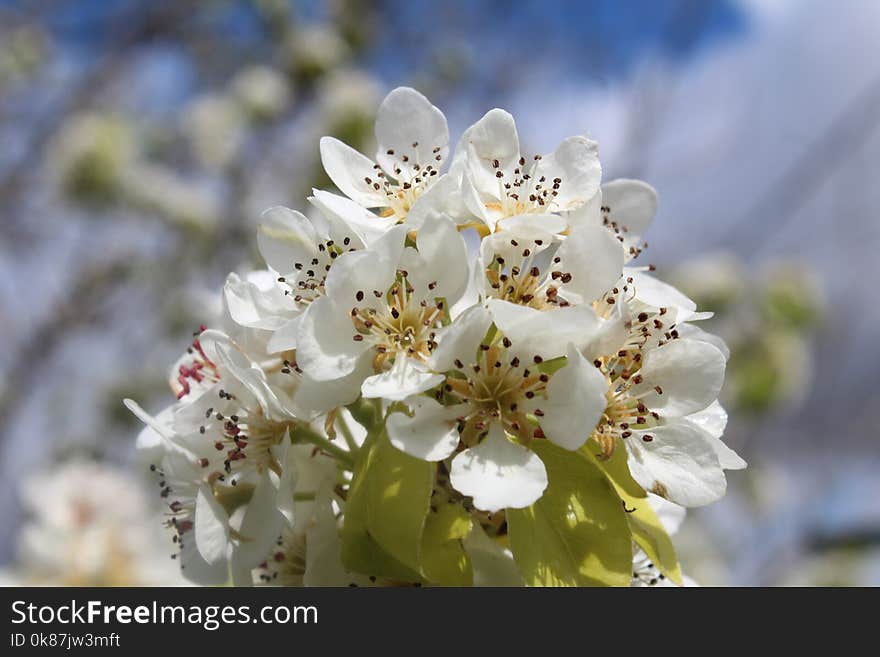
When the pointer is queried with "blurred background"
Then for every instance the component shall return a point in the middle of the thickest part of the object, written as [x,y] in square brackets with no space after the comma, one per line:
[140,140]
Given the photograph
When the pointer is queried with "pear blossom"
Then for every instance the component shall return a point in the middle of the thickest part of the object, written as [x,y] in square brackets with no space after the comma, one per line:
[382,309]
[625,207]
[500,182]
[526,265]
[89,524]
[657,379]
[413,142]
[497,395]
[375,344]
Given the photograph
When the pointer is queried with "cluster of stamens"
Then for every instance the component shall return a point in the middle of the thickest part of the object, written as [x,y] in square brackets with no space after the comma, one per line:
[523,282]
[494,389]
[411,179]
[179,514]
[634,250]
[246,438]
[647,574]
[626,410]
[200,369]
[405,324]
[308,282]
[286,564]
[520,192]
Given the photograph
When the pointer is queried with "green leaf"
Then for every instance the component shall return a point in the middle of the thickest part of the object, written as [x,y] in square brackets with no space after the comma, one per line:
[577,534]
[385,511]
[444,560]
[647,530]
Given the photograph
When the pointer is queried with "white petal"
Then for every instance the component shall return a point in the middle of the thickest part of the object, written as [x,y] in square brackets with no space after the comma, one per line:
[690,374]
[441,198]
[152,441]
[444,259]
[594,258]
[314,396]
[285,337]
[499,474]
[405,378]
[461,339]
[327,349]
[211,527]
[287,483]
[260,525]
[588,214]
[348,170]
[160,428]
[575,401]
[576,163]
[632,204]
[367,270]
[345,218]
[286,237]
[194,567]
[712,419]
[249,306]
[544,332]
[253,378]
[656,294]
[491,138]
[728,459]
[430,434]
[677,463]
[692,332]
[670,514]
[323,561]
[492,564]
[405,118]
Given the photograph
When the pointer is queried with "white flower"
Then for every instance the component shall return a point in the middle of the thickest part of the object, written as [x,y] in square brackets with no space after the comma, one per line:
[657,380]
[413,142]
[89,524]
[498,394]
[383,306]
[263,92]
[500,182]
[526,265]
[223,459]
[625,207]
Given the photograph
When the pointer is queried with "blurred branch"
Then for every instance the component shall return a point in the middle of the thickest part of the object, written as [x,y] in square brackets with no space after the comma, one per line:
[153,24]
[83,305]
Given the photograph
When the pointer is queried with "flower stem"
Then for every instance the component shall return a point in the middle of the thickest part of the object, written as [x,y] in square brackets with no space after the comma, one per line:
[347,434]
[304,434]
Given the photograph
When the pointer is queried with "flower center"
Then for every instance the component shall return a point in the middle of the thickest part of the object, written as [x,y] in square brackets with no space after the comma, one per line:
[625,409]
[522,191]
[520,279]
[286,565]
[411,178]
[308,282]
[404,324]
[246,437]
[498,387]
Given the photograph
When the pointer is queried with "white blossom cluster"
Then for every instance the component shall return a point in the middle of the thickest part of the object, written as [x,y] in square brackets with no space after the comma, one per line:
[375,323]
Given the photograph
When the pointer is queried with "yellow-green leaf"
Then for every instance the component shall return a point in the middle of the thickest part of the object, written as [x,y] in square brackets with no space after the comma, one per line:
[647,530]
[577,534]
[444,560]
[385,511]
